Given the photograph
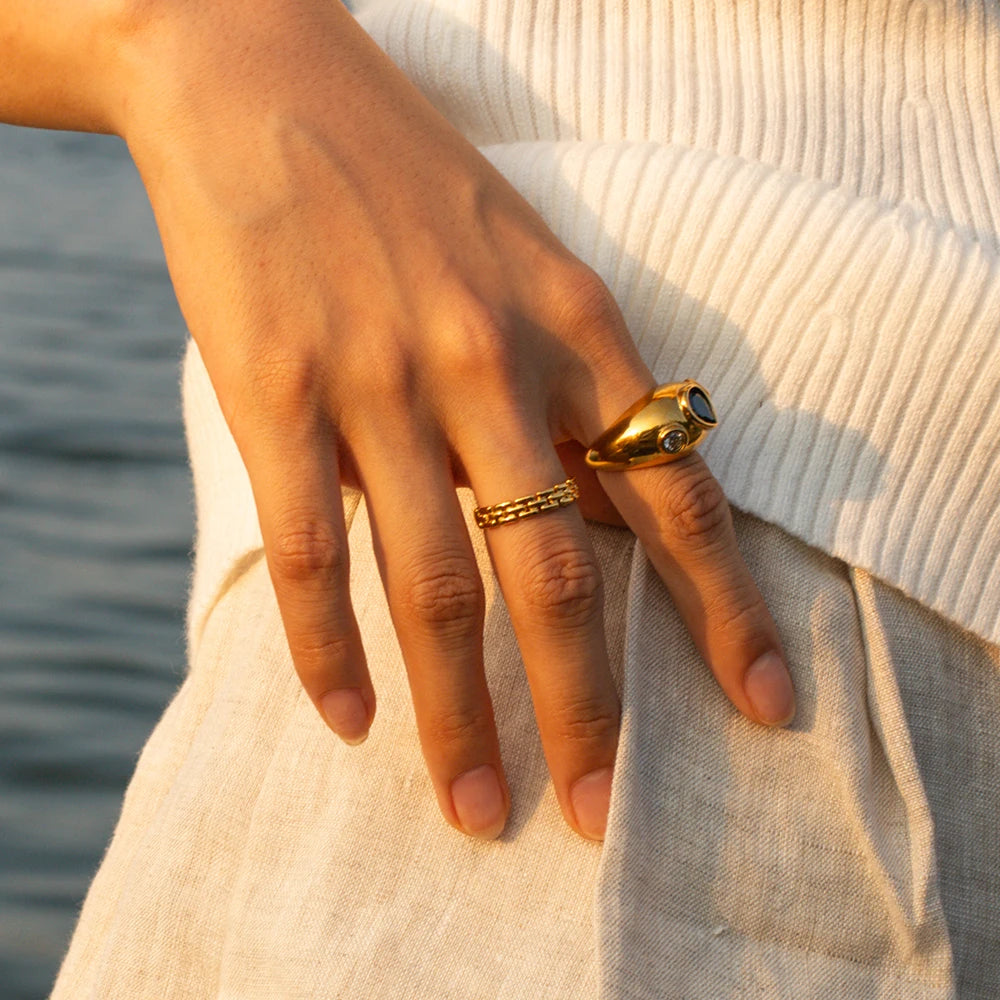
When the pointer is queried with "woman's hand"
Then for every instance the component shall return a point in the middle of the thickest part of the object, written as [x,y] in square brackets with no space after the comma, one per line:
[377,306]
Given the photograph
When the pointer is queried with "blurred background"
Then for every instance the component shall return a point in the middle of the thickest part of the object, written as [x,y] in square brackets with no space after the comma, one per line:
[95,523]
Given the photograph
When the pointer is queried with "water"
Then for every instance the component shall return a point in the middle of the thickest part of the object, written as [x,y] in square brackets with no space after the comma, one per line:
[95,523]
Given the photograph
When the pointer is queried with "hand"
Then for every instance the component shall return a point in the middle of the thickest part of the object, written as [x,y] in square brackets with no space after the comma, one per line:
[377,306]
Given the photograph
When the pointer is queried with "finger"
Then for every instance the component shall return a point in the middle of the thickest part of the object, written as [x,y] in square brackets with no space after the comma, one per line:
[436,599]
[297,492]
[680,513]
[677,510]
[552,585]
[595,504]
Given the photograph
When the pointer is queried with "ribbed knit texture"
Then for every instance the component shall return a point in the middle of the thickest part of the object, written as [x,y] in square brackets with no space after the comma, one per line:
[797,204]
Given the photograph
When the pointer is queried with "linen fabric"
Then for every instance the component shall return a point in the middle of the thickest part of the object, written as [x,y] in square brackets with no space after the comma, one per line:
[798,204]
[853,855]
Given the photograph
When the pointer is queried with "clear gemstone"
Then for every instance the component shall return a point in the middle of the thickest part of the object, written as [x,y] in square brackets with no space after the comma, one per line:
[673,441]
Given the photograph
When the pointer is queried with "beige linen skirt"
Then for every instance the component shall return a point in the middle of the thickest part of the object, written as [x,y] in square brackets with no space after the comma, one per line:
[854,854]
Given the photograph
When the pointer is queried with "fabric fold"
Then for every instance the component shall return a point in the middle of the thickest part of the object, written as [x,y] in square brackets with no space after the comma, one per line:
[791,863]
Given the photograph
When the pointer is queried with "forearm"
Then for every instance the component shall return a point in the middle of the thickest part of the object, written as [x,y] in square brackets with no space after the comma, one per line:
[58,63]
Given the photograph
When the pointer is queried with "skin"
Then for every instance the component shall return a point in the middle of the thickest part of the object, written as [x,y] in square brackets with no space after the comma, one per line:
[377,306]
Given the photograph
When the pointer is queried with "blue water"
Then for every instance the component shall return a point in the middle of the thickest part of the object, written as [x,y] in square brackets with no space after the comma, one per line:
[95,523]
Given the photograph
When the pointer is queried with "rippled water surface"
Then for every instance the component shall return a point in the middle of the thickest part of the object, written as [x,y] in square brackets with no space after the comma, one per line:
[95,522]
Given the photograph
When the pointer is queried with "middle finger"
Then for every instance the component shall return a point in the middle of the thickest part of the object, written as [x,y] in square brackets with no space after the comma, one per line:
[435,597]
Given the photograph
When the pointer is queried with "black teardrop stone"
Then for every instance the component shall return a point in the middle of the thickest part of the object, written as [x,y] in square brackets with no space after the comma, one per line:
[700,405]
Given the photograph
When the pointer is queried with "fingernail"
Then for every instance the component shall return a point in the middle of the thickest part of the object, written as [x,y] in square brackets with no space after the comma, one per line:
[590,797]
[346,714]
[478,802]
[769,689]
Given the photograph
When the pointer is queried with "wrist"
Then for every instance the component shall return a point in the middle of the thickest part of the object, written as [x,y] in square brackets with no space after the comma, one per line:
[184,64]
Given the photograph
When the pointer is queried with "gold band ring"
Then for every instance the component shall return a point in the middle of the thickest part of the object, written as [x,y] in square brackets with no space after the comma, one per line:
[560,495]
[666,424]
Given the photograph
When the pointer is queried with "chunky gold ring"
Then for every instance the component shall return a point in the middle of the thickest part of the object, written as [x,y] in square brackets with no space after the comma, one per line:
[560,495]
[666,424]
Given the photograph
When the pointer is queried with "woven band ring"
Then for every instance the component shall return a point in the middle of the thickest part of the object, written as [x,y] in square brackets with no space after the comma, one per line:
[560,495]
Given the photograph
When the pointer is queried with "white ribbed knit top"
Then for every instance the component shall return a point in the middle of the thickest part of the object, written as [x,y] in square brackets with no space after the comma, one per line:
[797,203]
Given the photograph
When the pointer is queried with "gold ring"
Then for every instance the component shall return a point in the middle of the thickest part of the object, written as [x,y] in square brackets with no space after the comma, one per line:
[560,495]
[666,424]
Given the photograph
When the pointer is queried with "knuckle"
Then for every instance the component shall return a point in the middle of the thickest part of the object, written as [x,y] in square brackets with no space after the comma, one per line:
[271,388]
[385,375]
[737,617]
[308,551]
[583,301]
[320,658]
[564,587]
[445,596]
[457,727]
[587,722]
[696,507]
[479,345]
[282,381]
